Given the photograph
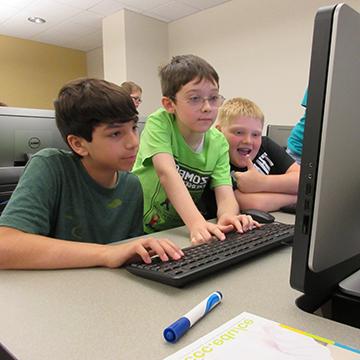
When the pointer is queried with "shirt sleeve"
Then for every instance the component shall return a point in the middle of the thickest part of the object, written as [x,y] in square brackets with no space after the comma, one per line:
[221,174]
[31,206]
[281,159]
[305,99]
[156,136]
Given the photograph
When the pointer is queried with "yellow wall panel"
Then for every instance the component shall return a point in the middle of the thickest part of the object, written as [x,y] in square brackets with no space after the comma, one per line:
[31,73]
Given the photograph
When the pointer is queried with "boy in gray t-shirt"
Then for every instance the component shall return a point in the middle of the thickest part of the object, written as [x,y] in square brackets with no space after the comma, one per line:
[69,205]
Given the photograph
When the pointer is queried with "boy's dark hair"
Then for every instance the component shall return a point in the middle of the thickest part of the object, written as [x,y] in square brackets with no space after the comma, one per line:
[85,103]
[183,69]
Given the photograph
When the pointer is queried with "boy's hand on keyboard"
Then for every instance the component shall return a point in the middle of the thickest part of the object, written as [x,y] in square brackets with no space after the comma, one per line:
[205,231]
[118,255]
[240,223]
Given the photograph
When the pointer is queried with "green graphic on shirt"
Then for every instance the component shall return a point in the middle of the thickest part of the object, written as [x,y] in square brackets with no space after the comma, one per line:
[114,204]
[196,169]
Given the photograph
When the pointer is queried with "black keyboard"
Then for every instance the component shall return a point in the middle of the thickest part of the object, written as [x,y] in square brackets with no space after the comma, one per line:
[201,260]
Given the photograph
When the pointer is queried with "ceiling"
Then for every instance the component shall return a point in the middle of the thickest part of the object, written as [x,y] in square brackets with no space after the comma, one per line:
[77,24]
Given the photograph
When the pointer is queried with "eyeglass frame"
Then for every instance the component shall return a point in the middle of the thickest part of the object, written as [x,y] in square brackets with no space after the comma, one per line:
[221,99]
[136,98]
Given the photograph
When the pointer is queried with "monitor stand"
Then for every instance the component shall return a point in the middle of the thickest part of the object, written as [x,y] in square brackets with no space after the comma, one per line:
[346,301]
[342,306]
[310,303]
[351,285]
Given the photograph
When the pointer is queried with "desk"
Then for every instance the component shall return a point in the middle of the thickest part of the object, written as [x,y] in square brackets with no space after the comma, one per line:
[103,314]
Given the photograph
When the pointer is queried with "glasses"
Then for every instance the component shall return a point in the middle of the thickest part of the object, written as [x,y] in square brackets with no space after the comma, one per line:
[137,98]
[199,101]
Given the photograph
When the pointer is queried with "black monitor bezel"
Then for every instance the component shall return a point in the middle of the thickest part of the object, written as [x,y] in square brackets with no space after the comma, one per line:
[316,286]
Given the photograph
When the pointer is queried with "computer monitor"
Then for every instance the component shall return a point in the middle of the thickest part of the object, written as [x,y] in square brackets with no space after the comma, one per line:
[141,123]
[279,133]
[23,132]
[327,228]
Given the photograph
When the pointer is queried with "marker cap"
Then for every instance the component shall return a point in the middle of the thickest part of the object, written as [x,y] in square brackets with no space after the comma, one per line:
[174,332]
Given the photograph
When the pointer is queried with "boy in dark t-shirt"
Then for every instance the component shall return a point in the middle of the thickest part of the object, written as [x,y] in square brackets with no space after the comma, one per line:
[69,206]
[270,159]
[265,177]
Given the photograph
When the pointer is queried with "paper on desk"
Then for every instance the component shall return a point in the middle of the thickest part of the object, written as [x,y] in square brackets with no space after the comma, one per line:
[248,336]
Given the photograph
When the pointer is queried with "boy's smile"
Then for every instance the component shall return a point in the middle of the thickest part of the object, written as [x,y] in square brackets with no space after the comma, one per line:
[244,137]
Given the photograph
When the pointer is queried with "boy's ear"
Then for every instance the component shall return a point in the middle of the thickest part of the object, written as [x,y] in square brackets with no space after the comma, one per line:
[168,104]
[218,126]
[77,144]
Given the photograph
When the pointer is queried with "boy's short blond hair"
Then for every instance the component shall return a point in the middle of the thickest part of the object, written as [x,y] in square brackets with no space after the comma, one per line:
[238,107]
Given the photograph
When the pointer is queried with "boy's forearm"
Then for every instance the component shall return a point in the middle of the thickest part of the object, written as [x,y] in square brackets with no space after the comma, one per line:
[264,201]
[176,190]
[231,210]
[285,183]
[180,198]
[226,201]
[20,250]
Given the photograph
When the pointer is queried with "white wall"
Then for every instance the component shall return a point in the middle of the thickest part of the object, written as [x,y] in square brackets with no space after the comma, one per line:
[95,63]
[114,47]
[134,46]
[146,48]
[261,50]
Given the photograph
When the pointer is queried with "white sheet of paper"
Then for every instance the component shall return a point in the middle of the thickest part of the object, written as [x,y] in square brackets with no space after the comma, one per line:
[249,336]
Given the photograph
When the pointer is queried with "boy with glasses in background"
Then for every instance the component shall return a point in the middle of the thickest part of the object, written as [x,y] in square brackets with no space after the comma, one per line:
[134,90]
[180,154]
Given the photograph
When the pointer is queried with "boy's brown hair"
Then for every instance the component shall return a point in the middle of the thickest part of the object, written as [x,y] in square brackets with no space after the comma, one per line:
[85,103]
[238,107]
[183,69]
[130,87]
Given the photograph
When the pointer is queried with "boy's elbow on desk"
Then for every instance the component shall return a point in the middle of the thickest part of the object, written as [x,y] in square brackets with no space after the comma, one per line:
[6,247]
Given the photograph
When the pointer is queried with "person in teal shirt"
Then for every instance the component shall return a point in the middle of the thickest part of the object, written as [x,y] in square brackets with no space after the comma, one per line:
[296,138]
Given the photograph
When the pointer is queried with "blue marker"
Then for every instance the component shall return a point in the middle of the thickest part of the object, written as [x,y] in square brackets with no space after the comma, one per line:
[174,332]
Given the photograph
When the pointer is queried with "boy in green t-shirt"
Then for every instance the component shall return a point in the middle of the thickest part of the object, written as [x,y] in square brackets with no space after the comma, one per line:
[69,205]
[180,153]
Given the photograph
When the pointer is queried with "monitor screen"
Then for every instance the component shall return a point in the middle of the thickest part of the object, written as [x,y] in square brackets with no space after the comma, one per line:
[279,133]
[23,132]
[327,228]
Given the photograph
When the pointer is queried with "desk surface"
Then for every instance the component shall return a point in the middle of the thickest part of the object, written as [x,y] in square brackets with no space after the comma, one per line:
[111,314]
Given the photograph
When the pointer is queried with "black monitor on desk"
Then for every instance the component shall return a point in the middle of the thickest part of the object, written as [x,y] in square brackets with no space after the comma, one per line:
[327,230]
[23,132]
